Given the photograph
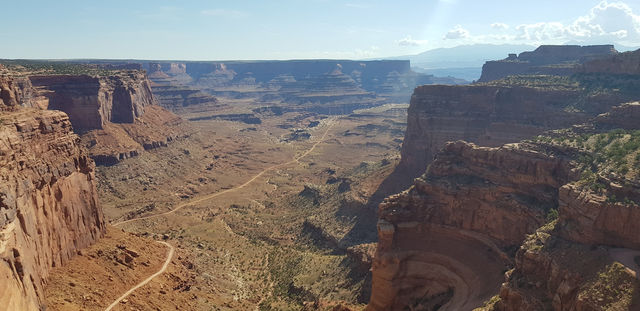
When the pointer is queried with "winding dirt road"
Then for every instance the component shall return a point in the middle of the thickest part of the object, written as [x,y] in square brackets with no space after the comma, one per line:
[147,280]
[217,194]
[205,198]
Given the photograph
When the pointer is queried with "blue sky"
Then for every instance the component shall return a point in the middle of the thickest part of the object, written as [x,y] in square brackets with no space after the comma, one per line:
[288,29]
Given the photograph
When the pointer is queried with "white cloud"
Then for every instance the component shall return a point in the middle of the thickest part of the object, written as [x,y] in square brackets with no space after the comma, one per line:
[457,33]
[606,22]
[224,13]
[500,26]
[612,22]
[409,41]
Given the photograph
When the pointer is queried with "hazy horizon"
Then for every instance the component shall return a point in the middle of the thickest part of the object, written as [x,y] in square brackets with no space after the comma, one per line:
[318,29]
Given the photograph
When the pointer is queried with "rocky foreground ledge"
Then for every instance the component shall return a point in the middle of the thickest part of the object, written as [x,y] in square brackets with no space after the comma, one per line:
[48,202]
[547,224]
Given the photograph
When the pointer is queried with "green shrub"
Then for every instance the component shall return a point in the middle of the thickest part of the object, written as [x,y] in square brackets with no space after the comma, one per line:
[552,215]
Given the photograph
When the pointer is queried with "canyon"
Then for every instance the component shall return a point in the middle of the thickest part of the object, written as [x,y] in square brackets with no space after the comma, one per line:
[501,197]
[312,185]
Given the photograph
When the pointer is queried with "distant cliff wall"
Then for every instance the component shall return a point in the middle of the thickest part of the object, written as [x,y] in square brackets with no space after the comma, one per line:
[623,63]
[380,76]
[90,101]
[486,115]
[264,71]
[546,59]
[117,115]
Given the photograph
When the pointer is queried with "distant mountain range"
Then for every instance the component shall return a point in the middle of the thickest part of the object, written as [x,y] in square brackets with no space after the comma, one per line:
[465,61]
[463,56]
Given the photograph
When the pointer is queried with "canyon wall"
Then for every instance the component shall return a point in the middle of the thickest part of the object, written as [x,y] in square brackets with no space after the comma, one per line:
[170,87]
[17,92]
[486,115]
[268,81]
[441,243]
[92,101]
[546,59]
[264,71]
[49,206]
[477,212]
[157,127]
[625,116]
[627,63]
[116,115]
[587,260]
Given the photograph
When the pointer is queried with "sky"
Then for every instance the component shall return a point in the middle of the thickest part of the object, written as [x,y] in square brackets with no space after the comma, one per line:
[300,29]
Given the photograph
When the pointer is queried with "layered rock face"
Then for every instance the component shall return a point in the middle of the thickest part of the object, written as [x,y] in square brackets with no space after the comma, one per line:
[370,72]
[546,59]
[590,219]
[437,239]
[116,142]
[587,260]
[48,202]
[625,116]
[441,242]
[91,102]
[341,83]
[17,92]
[486,115]
[624,63]
[169,85]
[117,115]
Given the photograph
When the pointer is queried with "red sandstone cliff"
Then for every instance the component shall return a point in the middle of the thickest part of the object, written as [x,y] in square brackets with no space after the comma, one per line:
[17,92]
[441,243]
[587,260]
[624,116]
[91,102]
[547,60]
[445,243]
[48,202]
[170,89]
[623,63]
[116,115]
[485,115]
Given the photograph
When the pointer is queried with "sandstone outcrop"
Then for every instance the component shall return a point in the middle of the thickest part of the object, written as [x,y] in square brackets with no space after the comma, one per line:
[92,101]
[587,260]
[48,202]
[552,273]
[324,86]
[117,115]
[485,115]
[17,92]
[444,241]
[627,63]
[483,201]
[118,141]
[625,116]
[169,85]
[593,220]
[546,59]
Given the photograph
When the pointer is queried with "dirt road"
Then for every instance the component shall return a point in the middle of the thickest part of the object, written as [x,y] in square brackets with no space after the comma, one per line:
[147,280]
[217,194]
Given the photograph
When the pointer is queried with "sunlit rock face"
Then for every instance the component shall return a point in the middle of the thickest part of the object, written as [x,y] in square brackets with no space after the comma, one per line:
[547,60]
[441,242]
[48,202]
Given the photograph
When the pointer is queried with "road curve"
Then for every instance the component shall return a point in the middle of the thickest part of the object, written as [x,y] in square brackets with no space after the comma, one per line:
[213,195]
[147,280]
